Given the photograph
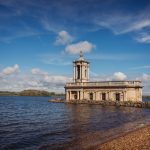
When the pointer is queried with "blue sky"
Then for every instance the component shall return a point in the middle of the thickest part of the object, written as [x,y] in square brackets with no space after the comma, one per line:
[39,39]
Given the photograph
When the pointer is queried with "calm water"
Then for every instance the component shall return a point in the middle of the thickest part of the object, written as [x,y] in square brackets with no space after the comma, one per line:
[34,123]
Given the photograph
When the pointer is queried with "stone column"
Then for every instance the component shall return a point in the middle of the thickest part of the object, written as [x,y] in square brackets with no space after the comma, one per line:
[100,96]
[77,95]
[81,95]
[95,95]
[125,96]
[67,98]
[69,95]
[74,73]
[88,72]
[140,94]
[122,96]
[80,73]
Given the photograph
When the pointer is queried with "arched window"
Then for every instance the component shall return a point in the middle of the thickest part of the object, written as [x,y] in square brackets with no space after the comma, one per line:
[85,72]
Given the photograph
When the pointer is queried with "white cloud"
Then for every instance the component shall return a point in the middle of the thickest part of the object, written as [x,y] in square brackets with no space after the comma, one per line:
[45,77]
[141,67]
[123,23]
[36,79]
[63,38]
[143,38]
[56,79]
[42,80]
[116,76]
[145,77]
[119,76]
[138,25]
[83,46]
[37,71]
[9,70]
[120,23]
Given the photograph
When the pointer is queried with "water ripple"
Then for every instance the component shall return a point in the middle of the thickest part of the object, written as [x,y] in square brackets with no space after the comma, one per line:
[34,123]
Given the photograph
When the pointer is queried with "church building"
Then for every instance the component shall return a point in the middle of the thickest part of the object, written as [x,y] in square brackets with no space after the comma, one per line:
[82,89]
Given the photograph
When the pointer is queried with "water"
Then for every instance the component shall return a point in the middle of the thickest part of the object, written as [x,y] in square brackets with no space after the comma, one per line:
[34,123]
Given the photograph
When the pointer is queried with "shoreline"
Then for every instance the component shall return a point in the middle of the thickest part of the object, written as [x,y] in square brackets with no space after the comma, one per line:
[137,139]
[127,137]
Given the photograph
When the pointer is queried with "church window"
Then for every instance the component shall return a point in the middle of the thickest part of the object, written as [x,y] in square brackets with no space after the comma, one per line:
[91,96]
[78,71]
[117,96]
[104,96]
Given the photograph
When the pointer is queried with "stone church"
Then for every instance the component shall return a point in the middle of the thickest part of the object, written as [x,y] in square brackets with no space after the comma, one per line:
[82,89]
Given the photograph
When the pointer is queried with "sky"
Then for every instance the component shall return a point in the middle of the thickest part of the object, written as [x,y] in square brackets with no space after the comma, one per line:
[39,39]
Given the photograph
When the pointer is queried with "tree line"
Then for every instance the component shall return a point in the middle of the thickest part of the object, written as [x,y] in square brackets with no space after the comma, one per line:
[30,92]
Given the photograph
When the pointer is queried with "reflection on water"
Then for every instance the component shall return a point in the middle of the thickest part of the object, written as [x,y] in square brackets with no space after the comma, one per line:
[34,123]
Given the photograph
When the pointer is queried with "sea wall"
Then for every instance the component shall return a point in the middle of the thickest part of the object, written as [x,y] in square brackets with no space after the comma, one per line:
[113,103]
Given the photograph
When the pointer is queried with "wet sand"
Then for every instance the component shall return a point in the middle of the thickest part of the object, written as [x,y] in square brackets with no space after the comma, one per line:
[135,140]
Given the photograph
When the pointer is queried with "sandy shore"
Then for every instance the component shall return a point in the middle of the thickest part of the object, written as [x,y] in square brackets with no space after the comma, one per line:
[135,140]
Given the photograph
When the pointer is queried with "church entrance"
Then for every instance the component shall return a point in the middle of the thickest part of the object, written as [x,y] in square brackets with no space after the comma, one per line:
[74,95]
[91,96]
[103,96]
[117,96]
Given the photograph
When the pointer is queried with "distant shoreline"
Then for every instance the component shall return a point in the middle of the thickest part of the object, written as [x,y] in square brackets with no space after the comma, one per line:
[38,93]
[144,96]
[30,93]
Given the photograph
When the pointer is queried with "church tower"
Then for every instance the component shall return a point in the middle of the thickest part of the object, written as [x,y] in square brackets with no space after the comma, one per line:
[81,70]
[96,91]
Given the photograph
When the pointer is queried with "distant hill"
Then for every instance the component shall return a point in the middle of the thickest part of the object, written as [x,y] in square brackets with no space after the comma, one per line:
[144,96]
[7,93]
[29,93]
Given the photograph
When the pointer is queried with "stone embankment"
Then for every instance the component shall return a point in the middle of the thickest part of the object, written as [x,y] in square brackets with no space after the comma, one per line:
[113,103]
[56,100]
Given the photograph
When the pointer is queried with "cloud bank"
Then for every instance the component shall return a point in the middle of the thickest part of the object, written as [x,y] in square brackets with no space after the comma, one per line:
[83,46]
[12,79]
[119,76]
[9,70]
[63,38]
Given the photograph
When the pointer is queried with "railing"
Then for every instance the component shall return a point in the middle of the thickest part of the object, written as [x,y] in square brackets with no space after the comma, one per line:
[106,83]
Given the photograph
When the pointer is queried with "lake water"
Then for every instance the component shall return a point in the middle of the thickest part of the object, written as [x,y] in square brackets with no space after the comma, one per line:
[34,123]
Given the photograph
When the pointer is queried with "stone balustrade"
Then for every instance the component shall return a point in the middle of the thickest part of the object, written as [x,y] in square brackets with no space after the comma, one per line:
[106,83]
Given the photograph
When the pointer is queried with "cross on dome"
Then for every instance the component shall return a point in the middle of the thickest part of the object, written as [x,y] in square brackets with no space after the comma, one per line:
[81,56]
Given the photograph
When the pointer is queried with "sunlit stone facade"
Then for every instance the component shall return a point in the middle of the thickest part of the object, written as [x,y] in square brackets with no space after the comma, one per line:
[82,89]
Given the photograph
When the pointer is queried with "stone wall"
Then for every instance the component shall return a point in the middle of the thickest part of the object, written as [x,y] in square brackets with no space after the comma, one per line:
[126,94]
